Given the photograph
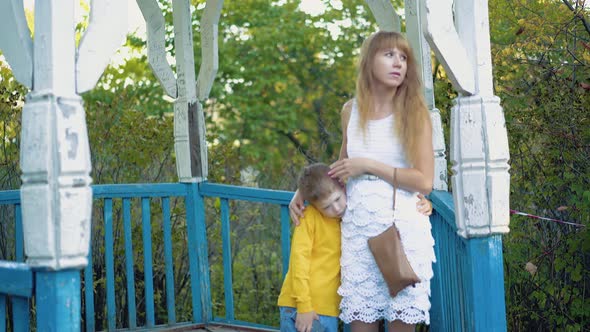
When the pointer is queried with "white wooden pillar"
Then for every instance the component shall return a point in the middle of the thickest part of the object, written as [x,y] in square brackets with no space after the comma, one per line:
[55,154]
[414,16]
[458,32]
[190,145]
[385,16]
[56,198]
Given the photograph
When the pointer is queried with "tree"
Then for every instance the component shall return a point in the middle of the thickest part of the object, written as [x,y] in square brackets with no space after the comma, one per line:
[542,73]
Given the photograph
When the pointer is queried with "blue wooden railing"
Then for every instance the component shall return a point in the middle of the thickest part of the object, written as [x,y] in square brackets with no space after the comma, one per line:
[465,270]
[468,283]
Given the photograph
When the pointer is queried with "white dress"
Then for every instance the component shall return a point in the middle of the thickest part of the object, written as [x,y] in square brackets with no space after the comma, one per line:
[369,212]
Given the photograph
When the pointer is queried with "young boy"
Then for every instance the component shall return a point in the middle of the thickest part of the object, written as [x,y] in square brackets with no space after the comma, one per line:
[309,295]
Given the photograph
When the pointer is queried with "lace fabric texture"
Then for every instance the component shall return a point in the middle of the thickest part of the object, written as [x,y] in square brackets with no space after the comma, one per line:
[369,212]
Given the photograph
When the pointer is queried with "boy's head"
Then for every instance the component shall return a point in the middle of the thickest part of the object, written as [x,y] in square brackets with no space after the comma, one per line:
[323,192]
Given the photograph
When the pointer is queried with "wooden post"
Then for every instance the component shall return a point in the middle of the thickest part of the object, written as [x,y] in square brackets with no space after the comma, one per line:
[414,19]
[386,17]
[57,295]
[56,197]
[190,145]
[479,140]
[459,34]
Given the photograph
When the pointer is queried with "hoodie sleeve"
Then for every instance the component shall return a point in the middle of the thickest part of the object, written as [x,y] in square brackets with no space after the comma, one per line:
[301,252]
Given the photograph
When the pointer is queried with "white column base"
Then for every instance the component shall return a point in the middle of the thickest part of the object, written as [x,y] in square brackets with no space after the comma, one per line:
[479,155]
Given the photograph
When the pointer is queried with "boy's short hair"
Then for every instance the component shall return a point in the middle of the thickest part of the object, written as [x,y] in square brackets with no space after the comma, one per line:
[315,183]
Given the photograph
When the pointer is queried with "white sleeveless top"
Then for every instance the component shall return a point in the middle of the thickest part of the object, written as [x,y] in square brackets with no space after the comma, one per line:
[379,141]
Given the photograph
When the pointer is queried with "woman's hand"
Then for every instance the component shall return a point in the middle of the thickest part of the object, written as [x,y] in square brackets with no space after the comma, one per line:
[346,168]
[424,206]
[296,207]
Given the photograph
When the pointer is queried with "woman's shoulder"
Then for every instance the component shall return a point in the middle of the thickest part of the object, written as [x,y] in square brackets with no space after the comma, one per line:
[347,108]
[348,104]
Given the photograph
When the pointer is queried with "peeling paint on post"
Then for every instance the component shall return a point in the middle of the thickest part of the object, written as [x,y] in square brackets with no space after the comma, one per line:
[190,145]
[479,140]
[56,197]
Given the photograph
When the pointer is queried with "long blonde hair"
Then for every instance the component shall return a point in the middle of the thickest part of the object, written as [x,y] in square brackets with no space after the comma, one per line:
[411,114]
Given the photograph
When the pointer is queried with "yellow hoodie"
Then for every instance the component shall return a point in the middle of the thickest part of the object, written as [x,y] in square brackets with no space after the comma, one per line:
[313,278]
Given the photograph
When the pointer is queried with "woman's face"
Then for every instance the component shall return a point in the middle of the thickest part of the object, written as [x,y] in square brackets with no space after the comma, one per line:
[390,67]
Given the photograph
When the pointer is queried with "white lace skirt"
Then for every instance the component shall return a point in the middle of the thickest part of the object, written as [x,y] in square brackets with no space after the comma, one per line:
[365,296]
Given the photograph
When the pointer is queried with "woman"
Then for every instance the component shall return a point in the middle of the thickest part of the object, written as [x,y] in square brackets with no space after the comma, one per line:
[386,143]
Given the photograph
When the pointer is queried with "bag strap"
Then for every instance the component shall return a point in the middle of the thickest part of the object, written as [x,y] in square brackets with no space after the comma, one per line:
[394,188]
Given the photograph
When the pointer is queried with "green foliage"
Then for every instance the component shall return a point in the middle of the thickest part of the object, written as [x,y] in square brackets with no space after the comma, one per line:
[11,103]
[542,71]
[12,98]
[278,92]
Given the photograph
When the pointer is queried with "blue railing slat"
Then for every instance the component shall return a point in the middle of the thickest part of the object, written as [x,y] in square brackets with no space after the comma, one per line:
[20,314]
[227,262]
[109,259]
[89,294]
[147,260]
[285,237]
[2,313]
[203,254]
[169,259]
[129,271]
[191,230]
[19,247]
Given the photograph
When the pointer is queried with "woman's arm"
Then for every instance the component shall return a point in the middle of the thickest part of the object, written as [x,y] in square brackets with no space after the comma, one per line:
[344,118]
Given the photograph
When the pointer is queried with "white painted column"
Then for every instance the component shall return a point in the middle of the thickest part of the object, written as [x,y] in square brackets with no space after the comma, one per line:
[56,196]
[186,105]
[459,34]
[55,156]
[385,15]
[190,145]
[414,16]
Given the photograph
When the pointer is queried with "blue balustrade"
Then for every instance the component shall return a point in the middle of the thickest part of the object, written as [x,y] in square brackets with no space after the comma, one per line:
[468,284]
[16,285]
[150,227]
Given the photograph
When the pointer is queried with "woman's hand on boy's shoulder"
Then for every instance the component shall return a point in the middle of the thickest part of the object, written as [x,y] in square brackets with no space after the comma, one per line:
[296,207]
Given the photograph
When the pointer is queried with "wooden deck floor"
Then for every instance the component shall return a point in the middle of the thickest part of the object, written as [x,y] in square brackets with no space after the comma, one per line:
[216,328]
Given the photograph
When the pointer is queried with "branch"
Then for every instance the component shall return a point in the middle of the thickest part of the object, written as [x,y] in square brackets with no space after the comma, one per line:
[299,146]
[578,15]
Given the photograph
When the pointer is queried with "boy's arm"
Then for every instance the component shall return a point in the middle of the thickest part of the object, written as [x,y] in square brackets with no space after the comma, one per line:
[300,264]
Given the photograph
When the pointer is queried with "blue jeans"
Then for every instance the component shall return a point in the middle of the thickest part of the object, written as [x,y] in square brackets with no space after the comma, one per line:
[325,324]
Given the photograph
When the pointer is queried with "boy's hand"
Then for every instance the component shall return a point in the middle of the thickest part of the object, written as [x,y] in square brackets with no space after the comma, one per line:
[424,206]
[296,208]
[304,321]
